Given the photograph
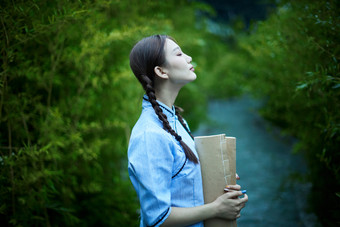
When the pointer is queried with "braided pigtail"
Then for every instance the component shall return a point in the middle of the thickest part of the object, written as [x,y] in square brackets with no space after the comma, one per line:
[180,118]
[150,92]
[144,57]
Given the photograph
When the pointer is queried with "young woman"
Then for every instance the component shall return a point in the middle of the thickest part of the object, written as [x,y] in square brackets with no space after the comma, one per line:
[163,163]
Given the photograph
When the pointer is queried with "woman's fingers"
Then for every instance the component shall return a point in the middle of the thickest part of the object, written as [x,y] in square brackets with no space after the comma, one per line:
[233,194]
[244,199]
[235,187]
[230,204]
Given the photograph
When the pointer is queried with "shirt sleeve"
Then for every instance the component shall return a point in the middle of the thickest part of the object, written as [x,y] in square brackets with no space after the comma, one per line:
[150,171]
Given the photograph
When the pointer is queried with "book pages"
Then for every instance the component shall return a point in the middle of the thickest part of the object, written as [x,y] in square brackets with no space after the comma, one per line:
[217,156]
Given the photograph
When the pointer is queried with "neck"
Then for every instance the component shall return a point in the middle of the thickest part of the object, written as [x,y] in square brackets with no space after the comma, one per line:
[167,94]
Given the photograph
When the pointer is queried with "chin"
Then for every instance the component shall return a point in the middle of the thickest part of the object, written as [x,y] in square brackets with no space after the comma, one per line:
[195,76]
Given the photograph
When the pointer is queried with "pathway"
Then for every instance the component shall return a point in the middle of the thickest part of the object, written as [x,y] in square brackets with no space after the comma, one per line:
[264,163]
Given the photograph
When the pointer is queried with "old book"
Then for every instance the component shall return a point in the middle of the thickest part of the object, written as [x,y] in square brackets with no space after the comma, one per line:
[217,156]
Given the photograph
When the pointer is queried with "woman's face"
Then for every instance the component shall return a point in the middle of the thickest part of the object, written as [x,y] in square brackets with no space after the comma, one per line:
[178,65]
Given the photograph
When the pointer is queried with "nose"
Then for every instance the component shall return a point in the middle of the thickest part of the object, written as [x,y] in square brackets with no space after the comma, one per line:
[189,59]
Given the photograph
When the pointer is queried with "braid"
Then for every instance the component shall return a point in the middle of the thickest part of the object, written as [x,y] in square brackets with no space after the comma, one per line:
[180,118]
[150,92]
[144,57]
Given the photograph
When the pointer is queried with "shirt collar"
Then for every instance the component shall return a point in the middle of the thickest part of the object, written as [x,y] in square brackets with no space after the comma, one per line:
[166,110]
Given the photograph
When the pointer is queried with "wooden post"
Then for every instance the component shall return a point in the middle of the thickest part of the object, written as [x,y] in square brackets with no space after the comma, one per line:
[217,156]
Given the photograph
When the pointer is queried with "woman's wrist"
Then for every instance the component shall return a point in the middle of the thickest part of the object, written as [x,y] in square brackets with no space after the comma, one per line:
[217,208]
[180,216]
[211,210]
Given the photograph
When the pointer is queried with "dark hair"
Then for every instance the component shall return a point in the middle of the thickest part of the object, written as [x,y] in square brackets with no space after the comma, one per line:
[144,57]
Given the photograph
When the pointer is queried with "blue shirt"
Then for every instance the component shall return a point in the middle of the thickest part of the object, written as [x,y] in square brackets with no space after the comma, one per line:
[158,168]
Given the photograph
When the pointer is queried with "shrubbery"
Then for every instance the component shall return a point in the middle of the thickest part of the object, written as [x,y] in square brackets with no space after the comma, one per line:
[291,60]
[69,101]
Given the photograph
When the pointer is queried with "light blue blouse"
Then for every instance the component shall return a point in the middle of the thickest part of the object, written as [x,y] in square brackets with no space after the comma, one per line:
[158,168]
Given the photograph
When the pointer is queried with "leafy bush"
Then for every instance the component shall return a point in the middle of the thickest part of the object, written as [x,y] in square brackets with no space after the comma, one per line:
[69,101]
[292,61]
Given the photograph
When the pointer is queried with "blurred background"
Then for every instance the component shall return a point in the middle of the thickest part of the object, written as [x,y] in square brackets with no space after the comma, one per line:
[268,73]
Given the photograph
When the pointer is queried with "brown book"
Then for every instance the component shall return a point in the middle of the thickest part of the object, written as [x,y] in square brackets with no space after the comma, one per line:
[217,156]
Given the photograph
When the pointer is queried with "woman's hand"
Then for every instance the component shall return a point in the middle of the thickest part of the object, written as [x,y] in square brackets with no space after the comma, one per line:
[229,205]
[230,188]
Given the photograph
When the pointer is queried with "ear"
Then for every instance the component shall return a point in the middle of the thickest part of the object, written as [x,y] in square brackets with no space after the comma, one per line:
[160,72]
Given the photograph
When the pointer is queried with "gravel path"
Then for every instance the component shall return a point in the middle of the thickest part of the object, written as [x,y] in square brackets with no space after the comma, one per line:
[265,164]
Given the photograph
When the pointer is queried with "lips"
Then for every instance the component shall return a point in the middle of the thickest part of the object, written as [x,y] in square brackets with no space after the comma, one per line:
[192,68]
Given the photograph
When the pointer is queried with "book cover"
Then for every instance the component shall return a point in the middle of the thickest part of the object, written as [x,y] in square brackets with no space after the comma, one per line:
[217,154]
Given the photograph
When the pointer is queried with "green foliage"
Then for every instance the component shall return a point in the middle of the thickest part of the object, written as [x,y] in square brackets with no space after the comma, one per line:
[292,61]
[69,101]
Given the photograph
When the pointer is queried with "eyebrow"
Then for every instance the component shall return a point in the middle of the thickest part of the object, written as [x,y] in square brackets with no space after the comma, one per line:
[176,48]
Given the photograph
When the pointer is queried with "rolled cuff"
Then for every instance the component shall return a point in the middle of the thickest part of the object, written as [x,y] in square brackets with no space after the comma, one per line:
[162,218]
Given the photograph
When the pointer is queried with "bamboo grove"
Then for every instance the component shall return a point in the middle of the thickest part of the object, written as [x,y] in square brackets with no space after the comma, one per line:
[69,100]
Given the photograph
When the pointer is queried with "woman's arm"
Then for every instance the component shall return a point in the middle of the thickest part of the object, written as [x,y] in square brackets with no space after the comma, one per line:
[227,206]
